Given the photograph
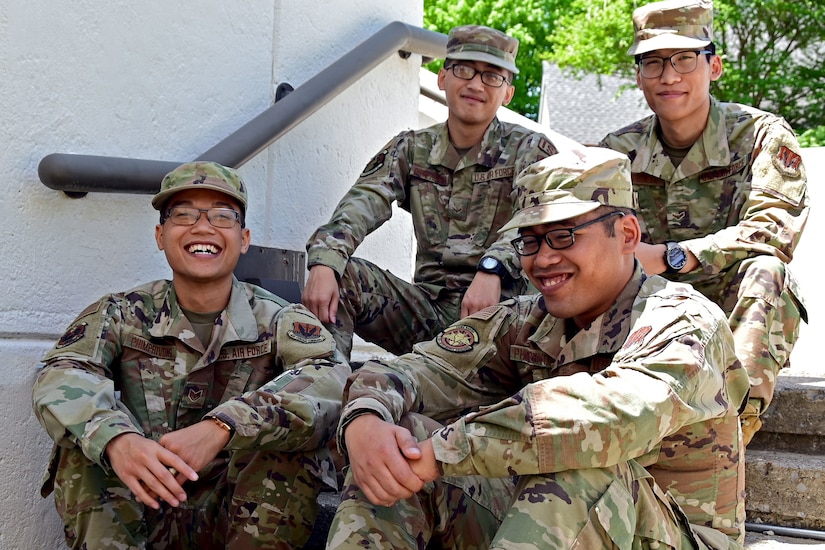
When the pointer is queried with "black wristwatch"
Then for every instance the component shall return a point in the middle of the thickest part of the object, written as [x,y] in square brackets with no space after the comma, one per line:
[488,264]
[675,257]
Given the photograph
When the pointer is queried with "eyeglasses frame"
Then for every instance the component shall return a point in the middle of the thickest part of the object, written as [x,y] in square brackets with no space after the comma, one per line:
[571,231]
[475,72]
[669,59]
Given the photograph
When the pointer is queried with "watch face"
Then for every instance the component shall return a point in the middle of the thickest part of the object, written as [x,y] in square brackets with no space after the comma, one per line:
[675,256]
[489,263]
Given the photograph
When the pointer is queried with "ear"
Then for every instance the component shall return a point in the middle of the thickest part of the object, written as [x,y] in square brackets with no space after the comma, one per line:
[508,95]
[715,68]
[246,238]
[159,236]
[631,233]
[442,75]
[638,77]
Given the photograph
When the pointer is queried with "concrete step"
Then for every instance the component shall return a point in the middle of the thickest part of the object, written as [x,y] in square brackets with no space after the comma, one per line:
[785,462]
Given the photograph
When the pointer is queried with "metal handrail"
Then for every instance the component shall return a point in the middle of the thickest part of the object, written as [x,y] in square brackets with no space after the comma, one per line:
[77,175]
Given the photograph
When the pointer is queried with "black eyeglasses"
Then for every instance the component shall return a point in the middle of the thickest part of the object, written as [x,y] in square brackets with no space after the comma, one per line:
[682,62]
[223,218]
[465,72]
[557,239]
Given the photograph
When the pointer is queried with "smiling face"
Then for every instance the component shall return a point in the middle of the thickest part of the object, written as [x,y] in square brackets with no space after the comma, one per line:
[201,254]
[471,102]
[583,281]
[681,99]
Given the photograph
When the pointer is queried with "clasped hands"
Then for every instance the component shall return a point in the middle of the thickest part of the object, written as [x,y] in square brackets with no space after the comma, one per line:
[387,463]
[157,470]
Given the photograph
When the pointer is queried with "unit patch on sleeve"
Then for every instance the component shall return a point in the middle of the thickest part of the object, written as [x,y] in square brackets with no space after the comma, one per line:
[458,338]
[74,334]
[305,333]
[637,338]
[376,163]
[787,162]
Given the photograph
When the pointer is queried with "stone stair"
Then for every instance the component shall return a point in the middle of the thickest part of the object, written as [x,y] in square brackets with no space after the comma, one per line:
[785,462]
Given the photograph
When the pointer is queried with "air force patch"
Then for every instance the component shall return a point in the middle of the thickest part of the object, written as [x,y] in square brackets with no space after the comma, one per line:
[306,333]
[788,162]
[458,338]
[74,334]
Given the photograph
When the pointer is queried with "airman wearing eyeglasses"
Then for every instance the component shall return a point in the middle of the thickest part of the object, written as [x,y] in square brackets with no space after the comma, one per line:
[191,413]
[722,191]
[455,180]
[612,397]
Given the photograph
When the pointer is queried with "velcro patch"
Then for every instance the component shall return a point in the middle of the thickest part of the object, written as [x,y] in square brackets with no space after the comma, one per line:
[74,334]
[718,173]
[547,147]
[637,338]
[788,162]
[494,174]
[306,333]
[458,339]
[376,163]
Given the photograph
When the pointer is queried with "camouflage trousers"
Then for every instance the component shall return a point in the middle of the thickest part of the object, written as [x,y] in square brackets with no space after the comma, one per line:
[243,499]
[764,306]
[388,311]
[459,513]
[618,507]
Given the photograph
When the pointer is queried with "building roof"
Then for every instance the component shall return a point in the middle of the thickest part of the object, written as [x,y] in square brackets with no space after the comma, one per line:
[584,111]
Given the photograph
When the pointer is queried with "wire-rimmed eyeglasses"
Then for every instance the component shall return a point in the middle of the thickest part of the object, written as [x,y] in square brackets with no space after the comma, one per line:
[682,62]
[557,239]
[465,72]
[223,218]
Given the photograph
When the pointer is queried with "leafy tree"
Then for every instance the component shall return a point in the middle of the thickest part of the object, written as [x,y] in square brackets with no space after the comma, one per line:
[773,51]
[530,21]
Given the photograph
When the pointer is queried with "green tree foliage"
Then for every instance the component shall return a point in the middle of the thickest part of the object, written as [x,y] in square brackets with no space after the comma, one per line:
[774,50]
[530,21]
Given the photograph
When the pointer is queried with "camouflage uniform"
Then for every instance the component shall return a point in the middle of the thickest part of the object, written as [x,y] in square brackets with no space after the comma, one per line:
[131,363]
[457,204]
[625,435]
[739,202]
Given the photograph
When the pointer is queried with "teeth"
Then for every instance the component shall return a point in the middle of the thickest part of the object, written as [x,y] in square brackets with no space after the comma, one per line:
[202,249]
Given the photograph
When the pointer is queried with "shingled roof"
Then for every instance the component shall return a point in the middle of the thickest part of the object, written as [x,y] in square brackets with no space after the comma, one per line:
[583,111]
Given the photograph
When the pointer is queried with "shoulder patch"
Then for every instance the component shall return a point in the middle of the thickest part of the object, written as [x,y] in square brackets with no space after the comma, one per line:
[484,314]
[74,334]
[458,338]
[636,339]
[547,147]
[376,163]
[787,162]
[306,333]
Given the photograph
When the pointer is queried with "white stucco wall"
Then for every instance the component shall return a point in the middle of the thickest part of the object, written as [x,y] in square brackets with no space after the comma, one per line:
[166,81]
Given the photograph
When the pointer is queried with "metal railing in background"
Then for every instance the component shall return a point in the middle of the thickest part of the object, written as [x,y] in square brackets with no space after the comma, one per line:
[77,175]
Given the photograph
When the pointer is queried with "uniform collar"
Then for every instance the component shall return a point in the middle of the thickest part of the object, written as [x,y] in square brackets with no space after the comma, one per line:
[605,335]
[444,154]
[238,320]
[710,150]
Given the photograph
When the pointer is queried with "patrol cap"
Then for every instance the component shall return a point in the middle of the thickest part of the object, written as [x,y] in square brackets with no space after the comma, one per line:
[672,24]
[201,175]
[569,184]
[479,43]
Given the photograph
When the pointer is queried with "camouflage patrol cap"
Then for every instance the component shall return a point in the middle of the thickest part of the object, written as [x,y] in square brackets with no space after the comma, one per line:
[672,24]
[478,43]
[569,184]
[201,175]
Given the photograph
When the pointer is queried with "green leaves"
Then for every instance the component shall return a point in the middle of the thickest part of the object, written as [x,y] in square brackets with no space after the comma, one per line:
[773,50]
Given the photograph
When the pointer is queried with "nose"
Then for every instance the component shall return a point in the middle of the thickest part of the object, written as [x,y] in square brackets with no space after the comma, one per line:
[669,73]
[546,255]
[203,221]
